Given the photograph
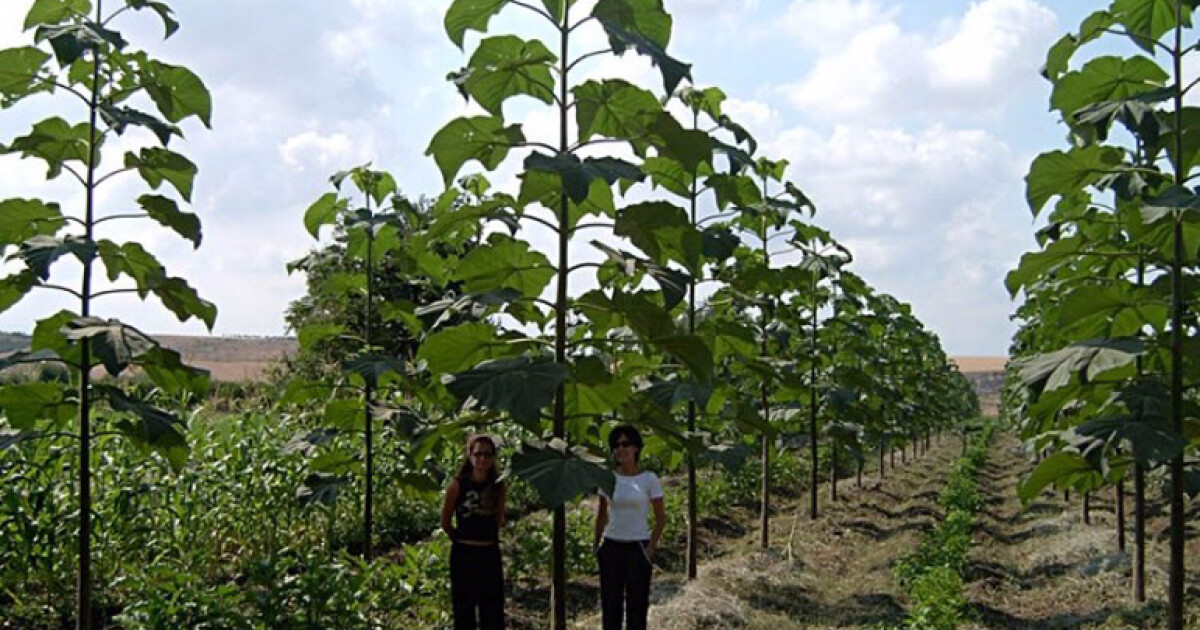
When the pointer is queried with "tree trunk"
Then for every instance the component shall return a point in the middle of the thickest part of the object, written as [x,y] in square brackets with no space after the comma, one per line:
[1139,533]
[833,473]
[1119,490]
[1087,508]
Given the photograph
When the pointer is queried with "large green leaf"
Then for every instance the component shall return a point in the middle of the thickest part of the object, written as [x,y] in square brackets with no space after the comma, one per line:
[673,71]
[177,92]
[674,284]
[1122,310]
[740,191]
[150,427]
[320,488]
[613,108]
[26,403]
[376,369]
[546,190]
[669,174]
[40,252]
[55,142]
[728,338]
[14,287]
[71,40]
[661,230]
[1057,468]
[1150,440]
[1059,173]
[1089,358]
[1058,59]
[558,473]
[19,68]
[114,344]
[166,212]
[481,138]
[506,66]
[1106,79]
[521,386]
[593,391]
[156,165]
[166,369]
[324,211]
[132,260]
[1036,266]
[55,11]
[465,346]
[505,262]
[22,219]
[647,18]
[1148,20]
[689,147]
[170,26]
[689,350]
[464,15]
[577,175]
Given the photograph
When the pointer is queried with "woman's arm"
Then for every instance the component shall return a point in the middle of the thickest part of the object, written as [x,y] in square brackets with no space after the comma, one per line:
[601,520]
[448,508]
[660,522]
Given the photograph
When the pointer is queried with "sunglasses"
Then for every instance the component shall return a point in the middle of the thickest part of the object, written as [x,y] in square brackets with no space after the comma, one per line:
[622,443]
[484,455]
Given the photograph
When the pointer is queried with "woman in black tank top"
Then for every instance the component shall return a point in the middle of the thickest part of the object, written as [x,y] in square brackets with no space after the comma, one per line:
[472,515]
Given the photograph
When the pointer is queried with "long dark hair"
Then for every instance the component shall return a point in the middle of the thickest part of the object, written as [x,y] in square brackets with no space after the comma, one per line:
[464,471]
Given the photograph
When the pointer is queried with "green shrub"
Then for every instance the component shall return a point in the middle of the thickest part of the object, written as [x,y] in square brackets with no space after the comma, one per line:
[937,600]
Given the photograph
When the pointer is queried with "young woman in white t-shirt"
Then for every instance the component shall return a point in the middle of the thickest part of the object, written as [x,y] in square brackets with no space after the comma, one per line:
[625,545]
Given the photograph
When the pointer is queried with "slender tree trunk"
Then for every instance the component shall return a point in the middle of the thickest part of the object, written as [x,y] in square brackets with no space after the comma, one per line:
[859,472]
[368,397]
[1087,508]
[83,607]
[812,417]
[1119,490]
[558,577]
[1139,533]
[692,507]
[765,516]
[881,461]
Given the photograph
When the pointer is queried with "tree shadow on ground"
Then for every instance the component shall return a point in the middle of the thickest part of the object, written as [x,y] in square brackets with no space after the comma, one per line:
[1040,529]
[879,534]
[911,512]
[799,604]
[999,619]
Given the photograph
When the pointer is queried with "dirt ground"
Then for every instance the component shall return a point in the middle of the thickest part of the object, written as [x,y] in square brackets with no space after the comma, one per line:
[1036,567]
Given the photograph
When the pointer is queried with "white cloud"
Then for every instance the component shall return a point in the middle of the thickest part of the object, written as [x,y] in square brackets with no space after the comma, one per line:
[868,67]
[311,149]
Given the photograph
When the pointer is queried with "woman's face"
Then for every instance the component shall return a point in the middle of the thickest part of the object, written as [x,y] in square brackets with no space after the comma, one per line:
[482,455]
[625,451]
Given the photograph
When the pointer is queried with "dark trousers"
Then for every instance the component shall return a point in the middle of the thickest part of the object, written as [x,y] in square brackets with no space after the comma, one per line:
[477,587]
[624,584]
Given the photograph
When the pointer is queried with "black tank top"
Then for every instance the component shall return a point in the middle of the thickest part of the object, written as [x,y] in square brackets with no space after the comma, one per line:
[475,511]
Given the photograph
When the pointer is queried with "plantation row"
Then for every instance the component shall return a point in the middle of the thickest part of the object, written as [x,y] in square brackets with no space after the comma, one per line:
[1105,385]
[705,308]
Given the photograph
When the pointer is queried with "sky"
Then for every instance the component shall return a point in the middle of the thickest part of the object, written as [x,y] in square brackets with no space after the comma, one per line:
[910,124]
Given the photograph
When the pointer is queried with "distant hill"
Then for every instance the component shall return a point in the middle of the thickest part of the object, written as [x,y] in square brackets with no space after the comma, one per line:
[228,358]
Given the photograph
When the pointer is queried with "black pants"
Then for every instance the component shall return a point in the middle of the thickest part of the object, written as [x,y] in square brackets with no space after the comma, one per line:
[624,584]
[476,587]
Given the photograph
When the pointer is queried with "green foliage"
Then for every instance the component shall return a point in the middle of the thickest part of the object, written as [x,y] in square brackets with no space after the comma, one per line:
[938,602]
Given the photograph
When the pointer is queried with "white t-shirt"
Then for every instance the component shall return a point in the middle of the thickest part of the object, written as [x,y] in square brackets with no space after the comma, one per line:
[630,505]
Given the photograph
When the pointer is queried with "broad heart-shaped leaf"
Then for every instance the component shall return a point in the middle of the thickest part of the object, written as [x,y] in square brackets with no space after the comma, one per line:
[546,190]
[1035,266]
[728,338]
[592,390]
[689,350]
[170,26]
[1149,20]
[669,174]
[14,287]
[663,231]
[320,488]
[673,71]
[1106,79]
[1117,311]
[149,427]
[1057,469]
[26,403]
[740,191]
[1092,358]
[72,39]
[40,252]
[177,92]
[506,66]
[577,175]
[120,118]
[156,165]
[324,211]
[731,457]
[718,243]
[477,305]
[376,370]
[521,386]
[1059,173]
[481,138]
[166,212]
[558,473]
[1058,59]
[166,369]
[673,283]
[19,68]
[22,219]
[708,100]
[739,160]
[464,15]
[647,18]
[55,142]
[505,262]
[671,392]
[613,108]
[115,344]
[466,345]
[55,11]
[1150,441]
[133,260]
[689,147]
